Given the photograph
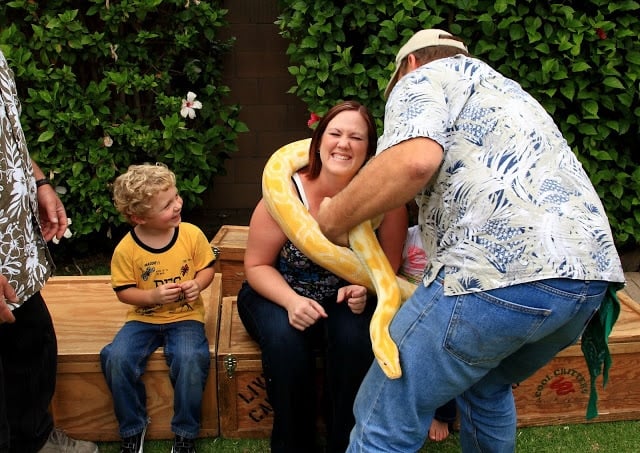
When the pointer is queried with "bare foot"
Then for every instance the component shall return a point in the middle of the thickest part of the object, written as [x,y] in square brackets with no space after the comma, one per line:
[438,431]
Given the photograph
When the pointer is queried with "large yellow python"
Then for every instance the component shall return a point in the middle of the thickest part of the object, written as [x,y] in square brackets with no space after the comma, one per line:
[364,263]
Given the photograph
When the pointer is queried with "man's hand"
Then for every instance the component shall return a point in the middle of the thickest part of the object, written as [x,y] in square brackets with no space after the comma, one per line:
[7,293]
[53,218]
[328,228]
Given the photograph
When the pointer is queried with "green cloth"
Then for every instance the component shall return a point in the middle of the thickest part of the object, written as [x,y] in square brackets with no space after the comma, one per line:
[595,345]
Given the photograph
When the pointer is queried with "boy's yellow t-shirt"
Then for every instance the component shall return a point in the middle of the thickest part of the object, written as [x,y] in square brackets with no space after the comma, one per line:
[136,265]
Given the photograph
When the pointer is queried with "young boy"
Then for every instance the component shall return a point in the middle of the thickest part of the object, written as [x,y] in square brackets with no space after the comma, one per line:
[160,268]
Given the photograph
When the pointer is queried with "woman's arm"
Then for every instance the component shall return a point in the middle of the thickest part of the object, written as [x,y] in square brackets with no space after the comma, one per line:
[392,234]
[264,243]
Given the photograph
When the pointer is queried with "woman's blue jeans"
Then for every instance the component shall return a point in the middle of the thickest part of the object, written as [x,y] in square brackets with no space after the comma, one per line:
[288,362]
[473,347]
[186,351]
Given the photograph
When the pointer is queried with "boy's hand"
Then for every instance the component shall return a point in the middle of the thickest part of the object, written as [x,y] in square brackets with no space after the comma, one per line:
[167,294]
[191,290]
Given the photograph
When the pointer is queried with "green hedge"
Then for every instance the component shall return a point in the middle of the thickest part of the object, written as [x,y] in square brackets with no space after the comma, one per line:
[580,59]
[101,85]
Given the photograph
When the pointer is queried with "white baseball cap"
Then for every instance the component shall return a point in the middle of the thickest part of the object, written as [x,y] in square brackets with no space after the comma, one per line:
[422,39]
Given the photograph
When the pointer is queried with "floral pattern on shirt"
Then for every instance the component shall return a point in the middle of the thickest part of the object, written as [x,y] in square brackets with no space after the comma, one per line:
[24,257]
[306,277]
[510,203]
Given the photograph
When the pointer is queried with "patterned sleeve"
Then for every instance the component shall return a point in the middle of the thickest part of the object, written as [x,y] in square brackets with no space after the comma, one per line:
[428,101]
[417,107]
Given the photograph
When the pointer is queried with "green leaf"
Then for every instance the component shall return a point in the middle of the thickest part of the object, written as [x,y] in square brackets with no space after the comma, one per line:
[617,190]
[45,136]
[568,90]
[591,107]
[500,6]
[587,129]
[517,32]
[580,66]
[613,82]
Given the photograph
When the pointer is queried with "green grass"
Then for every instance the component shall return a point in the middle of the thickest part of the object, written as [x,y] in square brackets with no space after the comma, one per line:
[605,437]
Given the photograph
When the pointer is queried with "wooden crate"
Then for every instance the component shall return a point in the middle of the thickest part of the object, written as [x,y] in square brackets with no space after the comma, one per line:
[558,393]
[245,411]
[87,314]
[229,245]
[242,396]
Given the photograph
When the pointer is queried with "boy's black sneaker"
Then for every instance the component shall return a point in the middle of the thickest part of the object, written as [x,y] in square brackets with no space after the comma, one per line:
[133,444]
[183,445]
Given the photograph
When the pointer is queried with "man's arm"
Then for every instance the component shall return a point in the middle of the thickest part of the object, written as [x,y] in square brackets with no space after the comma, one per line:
[53,218]
[37,173]
[388,181]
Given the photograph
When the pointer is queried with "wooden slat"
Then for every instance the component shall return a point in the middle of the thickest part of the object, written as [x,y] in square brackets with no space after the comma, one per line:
[244,408]
[632,287]
[230,243]
[559,392]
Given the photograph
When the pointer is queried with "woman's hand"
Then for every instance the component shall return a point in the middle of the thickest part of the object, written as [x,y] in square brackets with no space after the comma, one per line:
[305,312]
[355,296]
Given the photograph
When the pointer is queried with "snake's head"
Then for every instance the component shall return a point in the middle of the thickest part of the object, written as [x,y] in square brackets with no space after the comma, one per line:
[391,370]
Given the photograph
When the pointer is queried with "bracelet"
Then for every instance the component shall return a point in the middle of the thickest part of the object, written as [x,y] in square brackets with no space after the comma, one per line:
[42,182]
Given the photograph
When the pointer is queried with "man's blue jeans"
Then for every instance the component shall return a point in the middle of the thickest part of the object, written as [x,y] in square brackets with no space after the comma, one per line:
[472,347]
[186,350]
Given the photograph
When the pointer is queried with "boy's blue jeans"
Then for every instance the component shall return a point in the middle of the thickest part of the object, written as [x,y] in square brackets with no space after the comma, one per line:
[473,347]
[123,361]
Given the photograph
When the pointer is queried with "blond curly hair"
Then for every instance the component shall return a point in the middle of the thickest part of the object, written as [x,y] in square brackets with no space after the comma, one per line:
[133,190]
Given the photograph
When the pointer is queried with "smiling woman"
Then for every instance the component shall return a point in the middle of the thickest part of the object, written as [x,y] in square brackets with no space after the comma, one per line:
[293,305]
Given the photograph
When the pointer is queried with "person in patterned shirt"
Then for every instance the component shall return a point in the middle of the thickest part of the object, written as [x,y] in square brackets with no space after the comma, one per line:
[30,215]
[521,254]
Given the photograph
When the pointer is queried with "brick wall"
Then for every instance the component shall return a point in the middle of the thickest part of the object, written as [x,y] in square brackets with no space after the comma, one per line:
[256,72]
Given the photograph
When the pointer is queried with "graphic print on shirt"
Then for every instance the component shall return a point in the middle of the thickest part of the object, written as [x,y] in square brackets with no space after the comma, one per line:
[153,270]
